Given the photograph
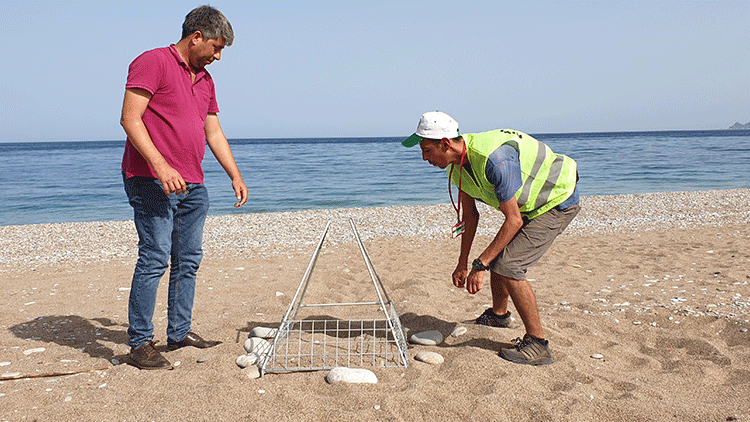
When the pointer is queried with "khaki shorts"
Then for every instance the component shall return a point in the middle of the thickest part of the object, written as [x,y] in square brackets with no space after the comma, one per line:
[532,241]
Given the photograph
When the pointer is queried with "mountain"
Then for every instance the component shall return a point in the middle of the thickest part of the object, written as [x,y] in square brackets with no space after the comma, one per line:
[739,125]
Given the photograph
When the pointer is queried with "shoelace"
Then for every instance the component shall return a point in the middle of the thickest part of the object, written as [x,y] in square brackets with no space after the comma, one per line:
[151,346]
[519,343]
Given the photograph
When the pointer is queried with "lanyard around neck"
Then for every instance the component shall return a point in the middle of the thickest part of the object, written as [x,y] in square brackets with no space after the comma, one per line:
[450,192]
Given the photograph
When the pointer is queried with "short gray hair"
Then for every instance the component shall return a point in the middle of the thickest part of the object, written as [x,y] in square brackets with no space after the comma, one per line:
[210,22]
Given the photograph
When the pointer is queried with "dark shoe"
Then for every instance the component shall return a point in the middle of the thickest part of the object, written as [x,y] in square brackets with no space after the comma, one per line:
[491,319]
[528,351]
[194,340]
[147,357]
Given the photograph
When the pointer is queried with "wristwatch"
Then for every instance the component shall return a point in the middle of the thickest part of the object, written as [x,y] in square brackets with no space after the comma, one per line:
[477,265]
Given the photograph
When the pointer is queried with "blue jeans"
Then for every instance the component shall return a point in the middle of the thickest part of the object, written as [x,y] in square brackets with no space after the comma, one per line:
[170,229]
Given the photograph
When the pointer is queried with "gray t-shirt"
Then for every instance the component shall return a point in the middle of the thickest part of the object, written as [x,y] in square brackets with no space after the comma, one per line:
[503,170]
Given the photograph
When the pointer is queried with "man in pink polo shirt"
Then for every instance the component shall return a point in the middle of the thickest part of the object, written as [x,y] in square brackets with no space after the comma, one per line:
[169,115]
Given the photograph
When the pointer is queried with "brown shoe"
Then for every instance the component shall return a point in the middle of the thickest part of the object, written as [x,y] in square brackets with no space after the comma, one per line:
[192,339]
[147,357]
[529,350]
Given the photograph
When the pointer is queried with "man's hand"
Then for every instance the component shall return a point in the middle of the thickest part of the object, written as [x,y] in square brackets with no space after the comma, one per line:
[459,276]
[240,191]
[475,281]
[171,180]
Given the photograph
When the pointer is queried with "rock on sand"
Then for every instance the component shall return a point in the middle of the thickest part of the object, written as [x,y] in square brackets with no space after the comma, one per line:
[351,375]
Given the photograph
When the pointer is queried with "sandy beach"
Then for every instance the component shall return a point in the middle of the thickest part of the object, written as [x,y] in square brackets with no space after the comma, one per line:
[644,299]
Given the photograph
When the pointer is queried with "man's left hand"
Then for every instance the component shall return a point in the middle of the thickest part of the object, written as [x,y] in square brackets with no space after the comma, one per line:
[475,281]
[240,191]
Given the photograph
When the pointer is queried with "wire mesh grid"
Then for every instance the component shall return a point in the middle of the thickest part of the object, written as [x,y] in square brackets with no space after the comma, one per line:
[311,345]
[316,344]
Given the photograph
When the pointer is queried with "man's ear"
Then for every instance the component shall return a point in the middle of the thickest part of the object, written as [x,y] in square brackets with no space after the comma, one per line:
[196,37]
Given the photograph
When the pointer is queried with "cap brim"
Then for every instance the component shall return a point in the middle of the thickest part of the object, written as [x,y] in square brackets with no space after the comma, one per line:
[412,140]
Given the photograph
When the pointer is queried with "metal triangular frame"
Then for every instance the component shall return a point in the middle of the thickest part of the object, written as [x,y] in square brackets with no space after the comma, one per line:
[318,344]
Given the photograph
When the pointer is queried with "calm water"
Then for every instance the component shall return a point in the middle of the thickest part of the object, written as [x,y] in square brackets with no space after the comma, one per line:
[54,182]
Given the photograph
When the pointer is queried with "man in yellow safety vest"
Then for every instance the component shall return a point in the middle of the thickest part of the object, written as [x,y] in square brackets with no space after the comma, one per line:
[537,192]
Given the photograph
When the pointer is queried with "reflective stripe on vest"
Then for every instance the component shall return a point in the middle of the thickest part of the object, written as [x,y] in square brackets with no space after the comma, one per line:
[548,178]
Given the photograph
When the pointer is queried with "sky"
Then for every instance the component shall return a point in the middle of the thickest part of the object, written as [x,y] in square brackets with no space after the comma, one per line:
[317,69]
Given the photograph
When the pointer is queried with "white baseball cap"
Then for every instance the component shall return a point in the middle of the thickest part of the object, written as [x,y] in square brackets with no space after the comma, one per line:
[433,125]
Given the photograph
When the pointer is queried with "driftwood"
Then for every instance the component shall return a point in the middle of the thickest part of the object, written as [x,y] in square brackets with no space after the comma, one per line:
[18,375]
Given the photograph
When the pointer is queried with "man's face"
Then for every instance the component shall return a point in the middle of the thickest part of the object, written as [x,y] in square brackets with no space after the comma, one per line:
[204,52]
[434,153]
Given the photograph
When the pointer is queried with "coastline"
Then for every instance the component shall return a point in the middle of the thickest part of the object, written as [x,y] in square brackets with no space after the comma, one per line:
[267,234]
[644,300]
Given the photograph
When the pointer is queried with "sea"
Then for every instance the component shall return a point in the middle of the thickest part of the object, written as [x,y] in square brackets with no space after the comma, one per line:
[57,182]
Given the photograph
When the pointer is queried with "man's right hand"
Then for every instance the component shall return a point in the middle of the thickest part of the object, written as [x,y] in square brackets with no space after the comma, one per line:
[171,180]
[459,276]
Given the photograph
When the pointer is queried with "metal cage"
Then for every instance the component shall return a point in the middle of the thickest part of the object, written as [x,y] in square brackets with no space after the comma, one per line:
[321,343]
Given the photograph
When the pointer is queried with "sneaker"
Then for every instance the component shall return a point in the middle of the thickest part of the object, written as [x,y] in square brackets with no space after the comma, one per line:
[147,357]
[528,351]
[493,320]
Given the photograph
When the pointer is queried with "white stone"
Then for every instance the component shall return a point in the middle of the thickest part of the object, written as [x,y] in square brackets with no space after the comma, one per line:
[264,332]
[597,356]
[252,372]
[458,331]
[30,351]
[429,357]
[257,345]
[351,375]
[243,361]
[427,338]
[4,363]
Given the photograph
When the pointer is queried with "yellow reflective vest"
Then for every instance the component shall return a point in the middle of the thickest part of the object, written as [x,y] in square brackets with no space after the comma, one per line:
[548,178]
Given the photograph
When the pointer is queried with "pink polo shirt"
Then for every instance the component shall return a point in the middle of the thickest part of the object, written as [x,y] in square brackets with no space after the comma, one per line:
[175,116]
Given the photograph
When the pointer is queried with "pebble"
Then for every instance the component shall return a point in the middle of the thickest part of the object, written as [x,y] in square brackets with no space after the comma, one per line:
[264,332]
[427,338]
[176,364]
[115,361]
[429,357]
[458,331]
[36,350]
[252,372]
[597,356]
[202,359]
[243,361]
[351,375]
[744,330]
[257,345]
[4,363]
